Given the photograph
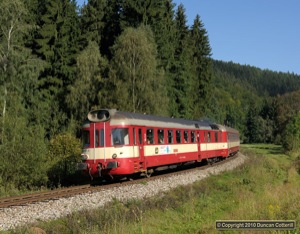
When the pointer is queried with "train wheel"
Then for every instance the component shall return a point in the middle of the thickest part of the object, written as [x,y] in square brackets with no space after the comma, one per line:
[148,173]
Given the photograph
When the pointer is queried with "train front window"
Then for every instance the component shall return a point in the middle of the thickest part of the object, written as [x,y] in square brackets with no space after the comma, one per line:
[99,137]
[85,138]
[119,136]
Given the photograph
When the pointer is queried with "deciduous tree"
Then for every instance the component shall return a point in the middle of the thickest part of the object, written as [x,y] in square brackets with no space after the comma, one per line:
[134,72]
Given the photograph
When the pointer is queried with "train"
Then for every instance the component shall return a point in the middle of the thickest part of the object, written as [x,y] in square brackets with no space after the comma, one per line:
[119,144]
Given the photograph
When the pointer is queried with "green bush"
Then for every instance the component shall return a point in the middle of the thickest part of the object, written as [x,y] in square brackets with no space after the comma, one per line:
[23,155]
[64,153]
[291,141]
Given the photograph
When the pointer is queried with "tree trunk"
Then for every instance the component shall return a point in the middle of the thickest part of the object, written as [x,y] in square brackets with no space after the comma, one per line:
[3,115]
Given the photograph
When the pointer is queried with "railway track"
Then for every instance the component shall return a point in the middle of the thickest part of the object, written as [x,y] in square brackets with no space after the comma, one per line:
[23,200]
[42,196]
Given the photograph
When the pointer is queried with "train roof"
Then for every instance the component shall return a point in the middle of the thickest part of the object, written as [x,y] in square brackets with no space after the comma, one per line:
[226,128]
[127,118]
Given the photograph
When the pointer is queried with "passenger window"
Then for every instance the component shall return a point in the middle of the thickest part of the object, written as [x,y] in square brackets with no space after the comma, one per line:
[216,137]
[160,134]
[150,136]
[193,137]
[186,136]
[140,136]
[170,137]
[208,137]
[178,136]
[134,136]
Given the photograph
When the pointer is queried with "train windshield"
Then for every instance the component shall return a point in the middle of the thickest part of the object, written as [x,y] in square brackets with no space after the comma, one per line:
[85,138]
[119,136]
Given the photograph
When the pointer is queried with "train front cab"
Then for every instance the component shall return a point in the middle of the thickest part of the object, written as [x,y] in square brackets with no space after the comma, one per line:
[111,150]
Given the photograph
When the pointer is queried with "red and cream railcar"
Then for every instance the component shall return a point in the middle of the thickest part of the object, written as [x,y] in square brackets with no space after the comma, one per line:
[118,143]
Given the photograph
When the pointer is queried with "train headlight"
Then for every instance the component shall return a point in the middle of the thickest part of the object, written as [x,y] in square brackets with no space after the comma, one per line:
[114,156]
[84,157]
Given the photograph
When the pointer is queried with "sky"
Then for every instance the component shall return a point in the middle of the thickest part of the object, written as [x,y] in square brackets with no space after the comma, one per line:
[260,33]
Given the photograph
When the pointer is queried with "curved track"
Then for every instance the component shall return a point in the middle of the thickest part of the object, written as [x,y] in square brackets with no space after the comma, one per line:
[75,190]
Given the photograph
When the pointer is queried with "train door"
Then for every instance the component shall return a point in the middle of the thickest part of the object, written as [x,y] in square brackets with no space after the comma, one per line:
[140,143]
[198,141]
[204,148]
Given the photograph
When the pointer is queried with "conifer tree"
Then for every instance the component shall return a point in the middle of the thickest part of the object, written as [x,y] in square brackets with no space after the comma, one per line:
[135,13]
[163,27]
[202,66]
[182,95]
[252,124]
[56,42]
[112,27]
[92,23]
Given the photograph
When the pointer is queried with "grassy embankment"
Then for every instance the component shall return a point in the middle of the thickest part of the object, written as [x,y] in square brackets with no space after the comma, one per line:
[266,187]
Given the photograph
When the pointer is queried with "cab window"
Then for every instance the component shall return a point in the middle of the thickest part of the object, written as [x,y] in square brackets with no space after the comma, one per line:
[119,136]
[85,138]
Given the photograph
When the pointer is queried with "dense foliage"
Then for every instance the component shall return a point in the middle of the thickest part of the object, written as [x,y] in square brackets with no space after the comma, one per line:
[58,61]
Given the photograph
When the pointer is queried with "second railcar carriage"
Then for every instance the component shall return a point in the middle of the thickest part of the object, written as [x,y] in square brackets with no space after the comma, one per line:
[118,143]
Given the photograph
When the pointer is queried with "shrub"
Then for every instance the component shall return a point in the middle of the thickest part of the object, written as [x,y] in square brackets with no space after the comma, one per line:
[64,153]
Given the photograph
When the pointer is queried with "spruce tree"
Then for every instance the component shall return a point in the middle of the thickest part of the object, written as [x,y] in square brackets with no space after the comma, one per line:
[135,13]
[252,124]
[56,42]
[163,27]
[92,24]
[182,96]
[112,27]
[202,66]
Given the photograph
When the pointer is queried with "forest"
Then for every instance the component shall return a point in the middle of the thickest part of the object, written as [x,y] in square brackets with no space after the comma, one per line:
[58,61]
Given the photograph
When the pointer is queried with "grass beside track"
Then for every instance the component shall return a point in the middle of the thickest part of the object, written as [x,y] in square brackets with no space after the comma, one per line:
[266,187]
